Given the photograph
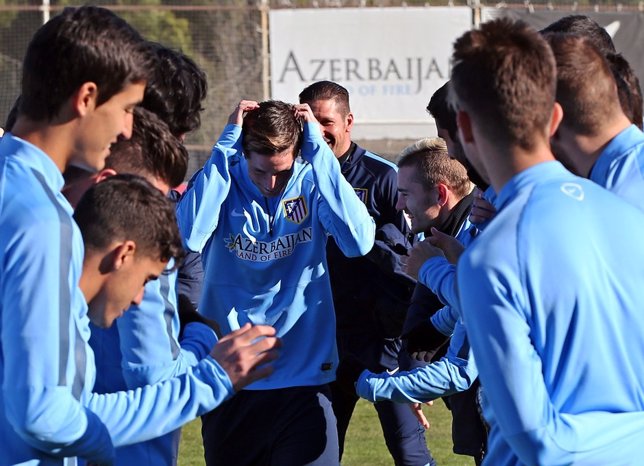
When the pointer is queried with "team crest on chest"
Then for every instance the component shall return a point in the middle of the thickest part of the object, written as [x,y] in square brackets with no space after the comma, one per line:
[295,209]
[362,194]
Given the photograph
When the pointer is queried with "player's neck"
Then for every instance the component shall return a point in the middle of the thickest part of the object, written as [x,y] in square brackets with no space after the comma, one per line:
[592,146]
[93,275]
[54,138]
[516,160]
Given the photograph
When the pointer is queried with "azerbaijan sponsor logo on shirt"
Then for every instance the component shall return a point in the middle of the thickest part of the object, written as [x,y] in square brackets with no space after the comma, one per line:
[264,251]
[295,209]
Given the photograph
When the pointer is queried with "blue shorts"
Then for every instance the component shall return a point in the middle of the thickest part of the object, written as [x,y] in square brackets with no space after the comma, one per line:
[292,426]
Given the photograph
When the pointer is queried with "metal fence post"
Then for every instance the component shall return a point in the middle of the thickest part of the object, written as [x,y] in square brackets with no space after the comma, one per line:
[46,11]
[264,8]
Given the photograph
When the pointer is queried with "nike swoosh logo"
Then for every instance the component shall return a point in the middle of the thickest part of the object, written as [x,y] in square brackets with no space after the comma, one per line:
[573,190]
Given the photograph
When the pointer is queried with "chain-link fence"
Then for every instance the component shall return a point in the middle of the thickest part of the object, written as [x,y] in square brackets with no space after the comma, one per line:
[227,38]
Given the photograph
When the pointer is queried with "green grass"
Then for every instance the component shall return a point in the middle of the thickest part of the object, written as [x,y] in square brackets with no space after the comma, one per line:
[365,445]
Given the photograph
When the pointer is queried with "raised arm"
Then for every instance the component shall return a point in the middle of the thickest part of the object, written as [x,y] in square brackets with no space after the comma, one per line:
[342,213]
[199,208]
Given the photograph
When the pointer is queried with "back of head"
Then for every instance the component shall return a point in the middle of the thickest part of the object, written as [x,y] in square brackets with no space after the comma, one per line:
[176,90]
[432,165]
[628,88]
[327,90]
[441,110]
[586,88]
[127,207]
[504,78]
[271,128]
[80,45]
[152,151]
[583,26]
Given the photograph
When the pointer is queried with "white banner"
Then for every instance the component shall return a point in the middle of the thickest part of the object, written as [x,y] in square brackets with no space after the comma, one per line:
[391,60]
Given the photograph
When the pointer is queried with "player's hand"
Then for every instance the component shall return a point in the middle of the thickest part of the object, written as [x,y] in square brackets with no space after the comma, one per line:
[451,247]
[418,255]
[417,411]
[245,354]
[305,113]
[237,117]
[482,210]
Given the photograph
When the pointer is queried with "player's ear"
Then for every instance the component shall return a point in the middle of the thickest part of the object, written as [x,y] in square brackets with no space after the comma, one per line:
[349,122]
[85,98]
[105,174]
[464,126]
[443,193]
[123,254]
[555,119]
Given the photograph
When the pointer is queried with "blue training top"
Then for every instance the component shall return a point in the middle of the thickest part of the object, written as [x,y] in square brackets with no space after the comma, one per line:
[142,348]
[264,258]
[551,294]
[47,410]
[620,166]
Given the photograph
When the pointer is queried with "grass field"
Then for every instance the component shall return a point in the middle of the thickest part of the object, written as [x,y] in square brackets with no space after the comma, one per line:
[365,445]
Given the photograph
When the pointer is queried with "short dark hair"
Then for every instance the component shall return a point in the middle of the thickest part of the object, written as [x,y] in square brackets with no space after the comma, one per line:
[586,87]
[583,26]
[441,110]
[271,128]
[127,207]
[176,89]
[432,164]
[628,88]
[86,44]
[327,90]
[12,116]
[504,75]
[151,151]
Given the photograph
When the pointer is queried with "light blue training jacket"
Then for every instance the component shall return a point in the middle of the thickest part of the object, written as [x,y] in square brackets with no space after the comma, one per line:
[143,348]
[552,295]
[265,258]
[620,166]
[48,411]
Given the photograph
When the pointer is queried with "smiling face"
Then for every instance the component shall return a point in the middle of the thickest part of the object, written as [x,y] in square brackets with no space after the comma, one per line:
[101,126]
[421,205]
[334,124]
[122,288]
[270,173]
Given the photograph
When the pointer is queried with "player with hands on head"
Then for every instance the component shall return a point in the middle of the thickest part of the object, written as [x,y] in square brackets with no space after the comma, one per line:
[261,215]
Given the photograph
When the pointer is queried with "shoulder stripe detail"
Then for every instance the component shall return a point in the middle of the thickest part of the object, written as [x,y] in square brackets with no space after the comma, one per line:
[168,313]
[80,354]
[373,156]
[64,295]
